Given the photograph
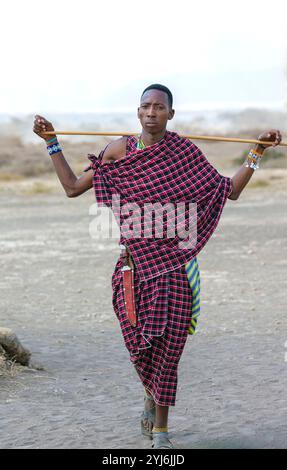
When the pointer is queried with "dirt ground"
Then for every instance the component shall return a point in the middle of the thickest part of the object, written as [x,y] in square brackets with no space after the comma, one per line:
[55,293]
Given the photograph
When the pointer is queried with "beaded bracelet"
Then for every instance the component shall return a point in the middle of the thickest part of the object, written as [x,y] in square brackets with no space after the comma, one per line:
[253,160]
[54,149]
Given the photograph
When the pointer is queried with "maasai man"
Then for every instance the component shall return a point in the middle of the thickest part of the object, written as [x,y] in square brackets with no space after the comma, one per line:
[156,280]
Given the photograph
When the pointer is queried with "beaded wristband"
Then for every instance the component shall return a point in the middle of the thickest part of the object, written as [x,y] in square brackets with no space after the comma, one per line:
[253,160]
[54,149]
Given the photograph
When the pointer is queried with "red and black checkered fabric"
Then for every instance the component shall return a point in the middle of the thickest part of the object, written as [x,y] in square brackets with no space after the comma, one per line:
[174,171]
[164,308]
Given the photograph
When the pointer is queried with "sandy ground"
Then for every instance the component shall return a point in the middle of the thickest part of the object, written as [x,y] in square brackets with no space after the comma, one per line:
[55,293]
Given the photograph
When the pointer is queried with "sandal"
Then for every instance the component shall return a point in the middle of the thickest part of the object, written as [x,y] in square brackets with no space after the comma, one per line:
[148,415]
[161,441]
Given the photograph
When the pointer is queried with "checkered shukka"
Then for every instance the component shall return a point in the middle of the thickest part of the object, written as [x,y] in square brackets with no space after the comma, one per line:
[171,171]
[167,281]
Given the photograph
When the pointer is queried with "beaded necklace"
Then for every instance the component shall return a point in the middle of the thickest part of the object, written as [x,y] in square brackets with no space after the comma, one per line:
[140,143]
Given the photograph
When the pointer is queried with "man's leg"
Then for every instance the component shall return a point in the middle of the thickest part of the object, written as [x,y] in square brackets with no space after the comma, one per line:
[160,429]
[161,414]
[149,406]
[161,417]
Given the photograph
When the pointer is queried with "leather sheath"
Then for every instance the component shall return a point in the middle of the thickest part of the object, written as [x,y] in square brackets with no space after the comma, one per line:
[128,285]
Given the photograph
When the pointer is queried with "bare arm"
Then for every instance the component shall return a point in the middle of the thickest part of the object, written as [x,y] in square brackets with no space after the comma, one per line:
[243,175]
[75,186]
[239,181]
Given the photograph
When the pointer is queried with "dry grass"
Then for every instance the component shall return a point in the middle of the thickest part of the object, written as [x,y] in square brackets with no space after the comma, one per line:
[2,361]
[6,176]
[258,184]
[8,368]
[38,187]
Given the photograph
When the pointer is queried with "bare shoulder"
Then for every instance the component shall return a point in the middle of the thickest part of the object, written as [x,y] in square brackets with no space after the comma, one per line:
[115,150]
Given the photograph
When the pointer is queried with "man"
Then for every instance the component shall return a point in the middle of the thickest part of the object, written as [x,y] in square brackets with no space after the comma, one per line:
[156,166]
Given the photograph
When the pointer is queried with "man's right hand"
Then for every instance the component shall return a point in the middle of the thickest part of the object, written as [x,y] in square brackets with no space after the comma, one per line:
[42,125]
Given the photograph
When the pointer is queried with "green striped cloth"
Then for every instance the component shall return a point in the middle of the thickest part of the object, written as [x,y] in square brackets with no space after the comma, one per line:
[193,276]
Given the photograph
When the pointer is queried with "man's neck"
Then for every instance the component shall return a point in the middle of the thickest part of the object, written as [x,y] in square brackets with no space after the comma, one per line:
[150,139]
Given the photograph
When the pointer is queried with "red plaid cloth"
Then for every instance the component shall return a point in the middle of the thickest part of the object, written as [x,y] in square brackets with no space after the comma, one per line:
[173,170]
[164,308]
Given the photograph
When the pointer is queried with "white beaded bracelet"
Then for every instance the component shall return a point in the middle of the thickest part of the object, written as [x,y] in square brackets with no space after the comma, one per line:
[253,160]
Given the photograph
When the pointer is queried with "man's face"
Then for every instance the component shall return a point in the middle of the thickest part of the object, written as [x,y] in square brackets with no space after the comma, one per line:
[154,111]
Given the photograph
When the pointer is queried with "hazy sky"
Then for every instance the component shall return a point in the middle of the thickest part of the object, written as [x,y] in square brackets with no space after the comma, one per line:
[74,56]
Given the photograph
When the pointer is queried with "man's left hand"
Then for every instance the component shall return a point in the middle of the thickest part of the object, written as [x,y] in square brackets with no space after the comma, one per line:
[273,136]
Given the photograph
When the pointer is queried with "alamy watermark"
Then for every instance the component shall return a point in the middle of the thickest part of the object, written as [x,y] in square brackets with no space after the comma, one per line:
[145,220]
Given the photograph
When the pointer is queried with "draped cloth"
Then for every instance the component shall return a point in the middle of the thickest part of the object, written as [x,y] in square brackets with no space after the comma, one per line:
[175,172]
[171,171]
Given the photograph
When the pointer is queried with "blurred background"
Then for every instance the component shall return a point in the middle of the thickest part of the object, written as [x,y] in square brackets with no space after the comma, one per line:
[83,65]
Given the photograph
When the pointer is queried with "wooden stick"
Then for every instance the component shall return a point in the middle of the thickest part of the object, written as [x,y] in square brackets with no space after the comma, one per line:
[192,137]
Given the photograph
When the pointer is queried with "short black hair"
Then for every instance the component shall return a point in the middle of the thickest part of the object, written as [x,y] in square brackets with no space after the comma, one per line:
[157,86]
